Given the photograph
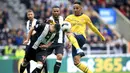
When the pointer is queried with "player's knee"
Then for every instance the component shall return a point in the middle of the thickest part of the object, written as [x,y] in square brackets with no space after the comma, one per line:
[76,60]
[59,56]
[39,65]
[69,34]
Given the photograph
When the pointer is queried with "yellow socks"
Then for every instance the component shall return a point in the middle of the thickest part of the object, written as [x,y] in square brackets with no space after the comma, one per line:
[84,68]
[74,42]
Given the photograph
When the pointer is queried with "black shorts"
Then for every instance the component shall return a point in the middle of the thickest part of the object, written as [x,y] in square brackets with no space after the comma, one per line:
[41,55]
[81,41]
[36,55]
[30,53]
[58,47]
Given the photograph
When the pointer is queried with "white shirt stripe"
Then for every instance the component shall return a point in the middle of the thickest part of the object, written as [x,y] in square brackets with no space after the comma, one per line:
[60,39]
[32,25]
[42,39]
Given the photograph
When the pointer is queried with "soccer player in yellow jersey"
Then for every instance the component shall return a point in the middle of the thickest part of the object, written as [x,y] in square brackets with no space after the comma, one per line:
[79,22]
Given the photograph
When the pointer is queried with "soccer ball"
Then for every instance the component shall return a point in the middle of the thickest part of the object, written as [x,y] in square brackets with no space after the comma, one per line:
[66,26]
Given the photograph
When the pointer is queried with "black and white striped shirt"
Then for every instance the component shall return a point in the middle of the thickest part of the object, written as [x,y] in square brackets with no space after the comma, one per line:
[30,24]
[42,35]
[60,36]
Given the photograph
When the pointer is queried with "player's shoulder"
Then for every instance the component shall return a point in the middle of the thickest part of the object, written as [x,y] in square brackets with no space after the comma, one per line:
[71,15]
[85,16]
[35,19]
[61,17]
[41,25]
[51,17]
[27,21]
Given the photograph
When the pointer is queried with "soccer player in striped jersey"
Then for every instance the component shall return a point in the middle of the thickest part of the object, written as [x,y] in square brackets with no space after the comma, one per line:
[31,21]
[58,44]
[44,36]
[79,22]
[29,24]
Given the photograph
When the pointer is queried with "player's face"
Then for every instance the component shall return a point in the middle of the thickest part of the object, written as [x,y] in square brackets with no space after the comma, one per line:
[56,12]
[30,15]
[77,9]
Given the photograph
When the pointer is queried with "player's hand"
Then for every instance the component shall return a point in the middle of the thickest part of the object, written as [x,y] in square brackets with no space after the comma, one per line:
[43,46]
[25,42]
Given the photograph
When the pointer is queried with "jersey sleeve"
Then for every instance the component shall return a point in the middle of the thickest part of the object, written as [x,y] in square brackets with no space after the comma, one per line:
[39,26]
[89,23]
[27,28]
[88,20]
[68,18]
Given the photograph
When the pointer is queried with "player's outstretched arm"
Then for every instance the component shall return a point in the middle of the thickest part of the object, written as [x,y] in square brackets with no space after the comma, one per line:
[94,29]
[29,35]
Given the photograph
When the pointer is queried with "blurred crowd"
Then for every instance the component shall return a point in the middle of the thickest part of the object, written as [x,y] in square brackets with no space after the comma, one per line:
[42,10]
[9,36]
[124,7]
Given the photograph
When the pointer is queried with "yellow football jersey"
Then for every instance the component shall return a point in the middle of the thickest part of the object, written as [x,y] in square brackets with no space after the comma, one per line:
[79,23]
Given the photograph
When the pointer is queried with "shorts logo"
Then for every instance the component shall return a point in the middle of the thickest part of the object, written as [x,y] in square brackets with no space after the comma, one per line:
[43,57]
[36,25]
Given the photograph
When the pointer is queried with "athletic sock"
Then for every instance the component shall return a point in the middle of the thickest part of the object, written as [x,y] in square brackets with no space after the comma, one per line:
[74,42]
[22,68]
[84,68]
[57,66]
[28,68]
[36,70]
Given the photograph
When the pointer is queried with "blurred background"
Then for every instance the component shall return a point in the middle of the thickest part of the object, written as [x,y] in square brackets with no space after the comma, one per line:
[111,17]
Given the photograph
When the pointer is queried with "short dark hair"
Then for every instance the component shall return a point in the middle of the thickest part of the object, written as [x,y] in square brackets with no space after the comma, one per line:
[55,7]
[57,27]
[78,2]
[29,10]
